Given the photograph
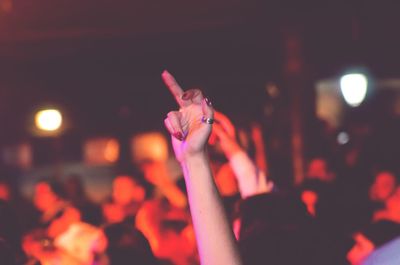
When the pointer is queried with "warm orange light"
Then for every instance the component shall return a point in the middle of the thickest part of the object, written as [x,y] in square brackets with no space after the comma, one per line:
[111,151]
[101,151]
[149,146]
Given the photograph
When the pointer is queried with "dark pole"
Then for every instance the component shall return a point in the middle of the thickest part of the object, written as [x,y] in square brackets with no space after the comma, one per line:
[294,75]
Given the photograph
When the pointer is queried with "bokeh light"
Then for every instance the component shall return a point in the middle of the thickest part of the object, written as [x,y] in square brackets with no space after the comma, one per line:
[354,88]
[48,120]
[343,138]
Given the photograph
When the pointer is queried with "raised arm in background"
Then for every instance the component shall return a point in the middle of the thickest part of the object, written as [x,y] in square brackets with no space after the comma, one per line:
[190,128]
[252,180]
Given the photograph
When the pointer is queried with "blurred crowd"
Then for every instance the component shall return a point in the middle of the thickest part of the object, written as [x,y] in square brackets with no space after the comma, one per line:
[146,220]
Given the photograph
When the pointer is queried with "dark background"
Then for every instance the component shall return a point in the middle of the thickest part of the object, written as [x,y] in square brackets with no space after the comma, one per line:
[95,57]
[100,60]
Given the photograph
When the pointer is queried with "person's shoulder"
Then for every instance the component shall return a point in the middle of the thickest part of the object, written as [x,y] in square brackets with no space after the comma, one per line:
[388,254]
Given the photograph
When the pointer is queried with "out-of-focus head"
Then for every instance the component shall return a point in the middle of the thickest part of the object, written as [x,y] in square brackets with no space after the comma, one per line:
[113,213]
[383,187]
[45,196]
[318,169]
[126,190]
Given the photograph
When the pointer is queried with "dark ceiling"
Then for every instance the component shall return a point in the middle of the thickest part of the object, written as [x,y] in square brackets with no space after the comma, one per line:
[101,59]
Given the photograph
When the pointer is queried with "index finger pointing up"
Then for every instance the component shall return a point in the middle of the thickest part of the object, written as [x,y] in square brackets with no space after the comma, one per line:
[173,87]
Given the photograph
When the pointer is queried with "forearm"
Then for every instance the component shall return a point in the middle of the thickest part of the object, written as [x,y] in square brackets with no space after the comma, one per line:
[214,236]
[251,180]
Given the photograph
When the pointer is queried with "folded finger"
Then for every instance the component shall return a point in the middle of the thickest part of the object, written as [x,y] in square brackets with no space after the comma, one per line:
[168,126]
[174,122]
[194,96]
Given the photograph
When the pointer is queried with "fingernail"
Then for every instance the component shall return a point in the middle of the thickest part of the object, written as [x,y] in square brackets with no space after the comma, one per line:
[208,101]
[186,95]
[179,136]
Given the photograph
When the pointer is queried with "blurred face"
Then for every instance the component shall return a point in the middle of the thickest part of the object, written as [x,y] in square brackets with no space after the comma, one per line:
[113,213]
[126,190]
[362,248]
[318,169]
[383,187]
[44,198]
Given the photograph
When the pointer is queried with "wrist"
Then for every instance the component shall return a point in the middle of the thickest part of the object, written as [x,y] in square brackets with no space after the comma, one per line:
[194,157]
[194,164]
[232,150]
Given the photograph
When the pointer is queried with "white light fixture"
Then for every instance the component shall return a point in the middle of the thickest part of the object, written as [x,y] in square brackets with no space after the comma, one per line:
[49,120]
[354,88]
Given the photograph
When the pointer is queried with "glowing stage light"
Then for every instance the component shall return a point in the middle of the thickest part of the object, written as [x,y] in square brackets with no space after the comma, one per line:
[48,120]
[354,88]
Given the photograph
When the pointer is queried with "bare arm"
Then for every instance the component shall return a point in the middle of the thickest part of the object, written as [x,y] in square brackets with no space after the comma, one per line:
[214,236]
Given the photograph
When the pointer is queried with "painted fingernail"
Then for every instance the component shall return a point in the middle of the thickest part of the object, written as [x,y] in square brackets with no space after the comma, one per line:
[208,101]
[179,136]
[187,95]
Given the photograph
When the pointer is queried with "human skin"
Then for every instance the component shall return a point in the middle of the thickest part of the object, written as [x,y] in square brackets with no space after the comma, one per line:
[215,239]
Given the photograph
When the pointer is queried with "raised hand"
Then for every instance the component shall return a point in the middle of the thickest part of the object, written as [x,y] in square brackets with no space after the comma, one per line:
[190,127]
[225,134]
[224,122]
